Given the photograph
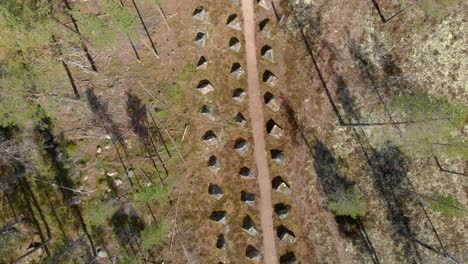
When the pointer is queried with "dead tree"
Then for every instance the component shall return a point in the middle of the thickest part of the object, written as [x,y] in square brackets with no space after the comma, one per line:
[381,15]
[34,219]
[83,45]
[42,245]
[130,40]
[146,29]
[67,69]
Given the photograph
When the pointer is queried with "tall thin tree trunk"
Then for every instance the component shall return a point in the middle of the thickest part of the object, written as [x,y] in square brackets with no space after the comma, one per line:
[146,29]
[42,245]
[11,206]
[36,223]
[67,69]
[85,229]
[83,45]
[159,133]
[36,204]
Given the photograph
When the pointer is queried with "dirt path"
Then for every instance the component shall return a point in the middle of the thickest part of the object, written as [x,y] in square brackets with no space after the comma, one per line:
[256,114]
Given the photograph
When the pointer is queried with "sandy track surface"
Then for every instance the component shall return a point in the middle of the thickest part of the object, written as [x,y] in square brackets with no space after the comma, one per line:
[270,255]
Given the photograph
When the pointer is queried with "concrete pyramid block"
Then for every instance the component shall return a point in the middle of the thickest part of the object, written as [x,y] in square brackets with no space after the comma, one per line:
[288,258]
[239,95]
[285,235]
[202,63]
[241,146]
[205,87]
[279,185]
[246,173]
[267,53]
[207,112]
[240,119]
[269,78]
[233,21]
[234,44]
[253,254]
[200,39]
[248,198]
[200,14]
[266,27]
[278,156]
[237,71]
[221,242]
[214,164]
[266,4]
[271,102]
[273,129]
[215,191]
[249,226]
[210,138]
[218,217]
[281,210]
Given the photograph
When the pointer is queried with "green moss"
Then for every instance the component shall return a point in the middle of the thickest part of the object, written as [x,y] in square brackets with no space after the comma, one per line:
[448,206]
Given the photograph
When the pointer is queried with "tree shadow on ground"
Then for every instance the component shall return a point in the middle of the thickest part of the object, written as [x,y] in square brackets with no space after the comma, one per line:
[136,110]
[356,232]
[335,185]
[103,117]
[56,155]
[326,167]
[382,71]
[127,226]
[347,100]
[138,114]
[389,179]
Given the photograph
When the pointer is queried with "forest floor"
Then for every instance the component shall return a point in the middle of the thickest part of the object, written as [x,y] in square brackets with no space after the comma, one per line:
[310,73]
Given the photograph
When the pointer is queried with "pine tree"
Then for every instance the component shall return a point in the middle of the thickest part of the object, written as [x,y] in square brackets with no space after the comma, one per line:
[153,235]
[347,201]
[434,128]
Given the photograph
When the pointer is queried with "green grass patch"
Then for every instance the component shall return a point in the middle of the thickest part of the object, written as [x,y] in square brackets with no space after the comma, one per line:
[151,194]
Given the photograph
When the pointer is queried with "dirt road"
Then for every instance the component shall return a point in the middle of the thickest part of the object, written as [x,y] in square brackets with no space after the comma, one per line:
[258,128]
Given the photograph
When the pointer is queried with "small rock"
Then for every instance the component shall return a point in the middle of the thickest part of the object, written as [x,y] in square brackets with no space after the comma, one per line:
[102,254]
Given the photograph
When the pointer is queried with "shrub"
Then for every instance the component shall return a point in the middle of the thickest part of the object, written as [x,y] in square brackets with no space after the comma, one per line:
[96,213]
[152,235]
[347,202]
